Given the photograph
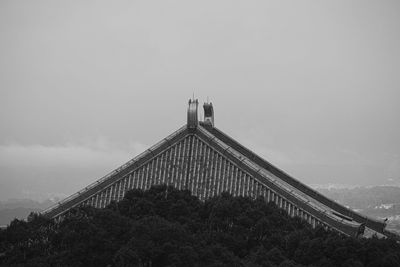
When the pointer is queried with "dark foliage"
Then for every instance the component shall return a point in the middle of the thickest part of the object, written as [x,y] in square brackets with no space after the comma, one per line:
[167,227]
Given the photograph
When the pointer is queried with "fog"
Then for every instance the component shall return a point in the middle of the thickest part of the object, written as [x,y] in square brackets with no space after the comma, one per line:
[313,87]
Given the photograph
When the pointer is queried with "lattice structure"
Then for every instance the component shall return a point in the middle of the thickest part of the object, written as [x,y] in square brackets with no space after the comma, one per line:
[204,160]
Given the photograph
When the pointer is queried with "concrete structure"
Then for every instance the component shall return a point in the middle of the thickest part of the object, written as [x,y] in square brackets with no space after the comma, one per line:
[201,158]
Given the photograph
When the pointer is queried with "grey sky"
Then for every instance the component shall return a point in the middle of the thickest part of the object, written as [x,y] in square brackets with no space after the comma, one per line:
[313,86]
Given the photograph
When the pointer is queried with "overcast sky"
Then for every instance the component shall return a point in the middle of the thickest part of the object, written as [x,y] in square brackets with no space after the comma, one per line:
[312,86]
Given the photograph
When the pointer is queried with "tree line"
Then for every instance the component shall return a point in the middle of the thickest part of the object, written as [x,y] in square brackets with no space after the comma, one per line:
[164,226]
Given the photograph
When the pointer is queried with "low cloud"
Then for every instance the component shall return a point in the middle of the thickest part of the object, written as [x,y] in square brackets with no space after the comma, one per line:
[324,164]
[39,172]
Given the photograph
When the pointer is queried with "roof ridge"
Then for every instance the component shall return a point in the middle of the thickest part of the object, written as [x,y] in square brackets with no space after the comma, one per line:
[118,170]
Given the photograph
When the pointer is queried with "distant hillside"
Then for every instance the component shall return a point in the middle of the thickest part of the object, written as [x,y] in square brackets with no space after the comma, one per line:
[379,201]
[167,227]
[364,197]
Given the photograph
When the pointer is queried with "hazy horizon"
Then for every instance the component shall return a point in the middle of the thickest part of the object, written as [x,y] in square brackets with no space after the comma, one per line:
[312,87]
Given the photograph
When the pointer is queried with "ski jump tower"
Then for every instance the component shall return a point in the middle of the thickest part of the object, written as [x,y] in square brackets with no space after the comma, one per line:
[201,158]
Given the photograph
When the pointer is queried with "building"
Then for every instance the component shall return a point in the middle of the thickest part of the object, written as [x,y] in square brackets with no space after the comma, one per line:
[201,158]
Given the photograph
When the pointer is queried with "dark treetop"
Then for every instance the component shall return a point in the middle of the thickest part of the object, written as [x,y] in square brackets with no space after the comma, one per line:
[167,227]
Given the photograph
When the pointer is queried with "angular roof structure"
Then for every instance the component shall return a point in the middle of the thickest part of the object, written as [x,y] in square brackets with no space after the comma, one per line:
[203,159]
